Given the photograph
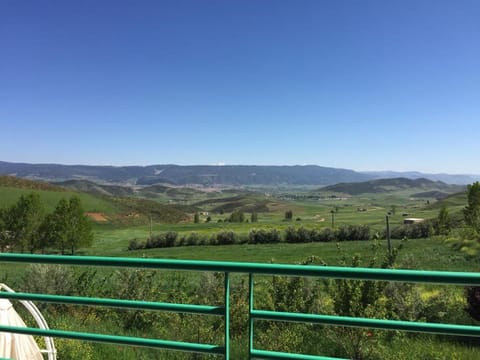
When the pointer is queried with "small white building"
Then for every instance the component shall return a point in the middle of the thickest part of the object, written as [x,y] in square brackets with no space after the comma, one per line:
[413,220]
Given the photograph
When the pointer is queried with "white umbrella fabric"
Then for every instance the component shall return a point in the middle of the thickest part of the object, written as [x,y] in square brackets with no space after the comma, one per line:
[16,346]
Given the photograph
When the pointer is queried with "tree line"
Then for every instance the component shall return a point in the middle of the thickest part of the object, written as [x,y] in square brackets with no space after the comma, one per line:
[26,226]
[255,236]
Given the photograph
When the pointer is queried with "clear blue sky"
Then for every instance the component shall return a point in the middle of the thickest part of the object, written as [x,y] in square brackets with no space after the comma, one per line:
[366,85]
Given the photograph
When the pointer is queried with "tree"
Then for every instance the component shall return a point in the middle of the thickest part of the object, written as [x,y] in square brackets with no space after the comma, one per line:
[22,222]
[237,216]
[196,218]
[288,215]
[469,239]
[471,212]
[79,228]
[254,217]
[443,221]
[55,225]
[393,209]
[4,232]
[67,226]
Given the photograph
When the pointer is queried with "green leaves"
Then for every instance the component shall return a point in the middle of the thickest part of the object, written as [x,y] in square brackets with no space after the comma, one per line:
[22,221]
[471,212]
[24,226]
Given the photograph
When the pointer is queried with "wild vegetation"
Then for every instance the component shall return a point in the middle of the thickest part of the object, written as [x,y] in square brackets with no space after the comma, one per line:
[345,231]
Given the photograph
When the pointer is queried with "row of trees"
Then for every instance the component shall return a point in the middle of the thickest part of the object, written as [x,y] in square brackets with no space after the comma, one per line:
[25,226]
[255,236]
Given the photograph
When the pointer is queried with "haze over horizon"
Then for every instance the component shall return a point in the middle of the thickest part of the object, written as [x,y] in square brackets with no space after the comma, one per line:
[362,85]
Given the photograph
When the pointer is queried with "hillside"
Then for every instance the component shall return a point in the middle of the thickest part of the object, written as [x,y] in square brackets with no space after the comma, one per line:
[19,183]
[243,202]
[453,200]
[436,194]
[458,179]
[97,189]
[392,185]
[113,208]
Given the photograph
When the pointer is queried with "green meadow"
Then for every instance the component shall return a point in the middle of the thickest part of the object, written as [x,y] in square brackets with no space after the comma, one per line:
[112,238]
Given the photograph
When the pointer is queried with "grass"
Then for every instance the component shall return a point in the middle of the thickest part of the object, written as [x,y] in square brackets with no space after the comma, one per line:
[10,195]
[112,239]
[421,254]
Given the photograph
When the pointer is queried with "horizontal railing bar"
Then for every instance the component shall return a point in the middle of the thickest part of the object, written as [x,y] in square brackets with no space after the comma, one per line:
[127,304]
[115,339]
[446,329]
[440,277]
[276,355]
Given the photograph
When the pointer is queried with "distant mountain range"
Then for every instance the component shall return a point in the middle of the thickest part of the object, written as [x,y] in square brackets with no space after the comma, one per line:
[460,179]
[424,188]
[228,175]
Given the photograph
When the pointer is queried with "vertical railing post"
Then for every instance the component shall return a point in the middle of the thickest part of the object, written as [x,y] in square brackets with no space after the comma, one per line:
[250,317]
[227,316]
[389,243]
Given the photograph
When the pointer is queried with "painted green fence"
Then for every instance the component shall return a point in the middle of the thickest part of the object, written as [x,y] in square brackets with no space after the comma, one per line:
[438,277]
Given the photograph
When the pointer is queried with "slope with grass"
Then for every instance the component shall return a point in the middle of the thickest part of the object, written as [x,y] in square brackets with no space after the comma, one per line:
[122,210]
[96,189]
[391,185]
[50,198]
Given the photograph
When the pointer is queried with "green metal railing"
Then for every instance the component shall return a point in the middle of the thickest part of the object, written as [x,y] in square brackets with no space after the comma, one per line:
[437,277]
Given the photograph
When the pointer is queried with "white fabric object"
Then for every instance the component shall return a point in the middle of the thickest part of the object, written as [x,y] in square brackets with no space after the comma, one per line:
[16,346]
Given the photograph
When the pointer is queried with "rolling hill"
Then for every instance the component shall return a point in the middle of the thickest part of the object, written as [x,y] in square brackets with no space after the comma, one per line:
[419,185]
[15,182]
[123,209]
[97,189]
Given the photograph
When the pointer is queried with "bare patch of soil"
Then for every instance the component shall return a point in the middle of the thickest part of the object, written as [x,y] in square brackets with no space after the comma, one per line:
[97,216]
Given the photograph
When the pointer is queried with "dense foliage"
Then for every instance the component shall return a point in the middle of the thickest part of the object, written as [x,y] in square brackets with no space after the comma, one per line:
[24,226]
[255,236]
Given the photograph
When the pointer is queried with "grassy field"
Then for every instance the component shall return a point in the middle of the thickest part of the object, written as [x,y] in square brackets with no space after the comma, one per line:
[421,254]
[9,195]
[112,239]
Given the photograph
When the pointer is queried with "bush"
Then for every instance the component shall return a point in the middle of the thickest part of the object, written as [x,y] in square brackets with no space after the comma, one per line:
[262,236]
[413,231]
[162,240]
[326,235]
[226,237]
[134,244]
[237,216]
[344,233]
[353,233]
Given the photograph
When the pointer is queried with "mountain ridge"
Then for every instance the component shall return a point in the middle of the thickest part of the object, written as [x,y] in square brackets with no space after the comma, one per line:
[394,184]
[211,175]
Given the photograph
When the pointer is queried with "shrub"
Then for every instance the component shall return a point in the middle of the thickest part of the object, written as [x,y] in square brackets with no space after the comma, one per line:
[353,233]
[192,239]
[413,231]
[134,244]
[326,235]
[226,237]
[237,216]
[162,240]
[262,236]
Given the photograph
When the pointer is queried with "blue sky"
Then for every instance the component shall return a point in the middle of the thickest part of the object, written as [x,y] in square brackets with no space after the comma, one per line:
[366,85]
